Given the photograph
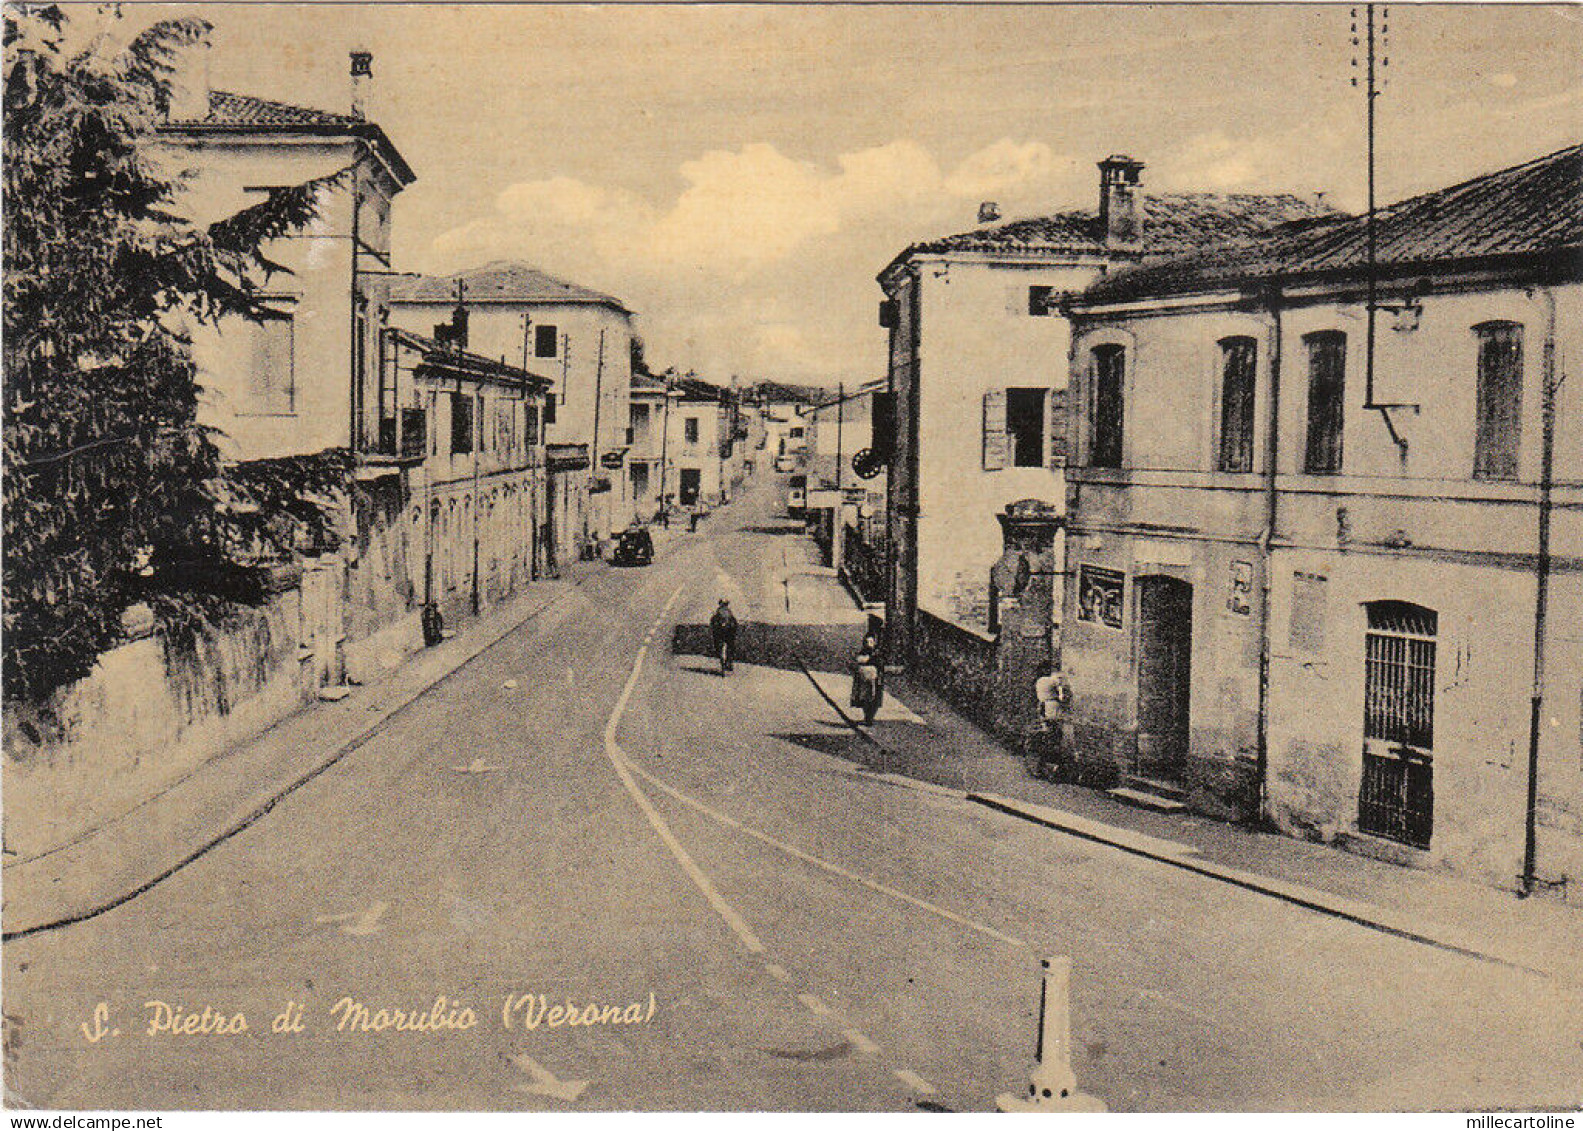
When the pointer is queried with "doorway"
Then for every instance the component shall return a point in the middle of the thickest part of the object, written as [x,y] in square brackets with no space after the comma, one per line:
[691,480]
[1165,674]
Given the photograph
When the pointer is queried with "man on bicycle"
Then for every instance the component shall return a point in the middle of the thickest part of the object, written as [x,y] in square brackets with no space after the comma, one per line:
[723,630]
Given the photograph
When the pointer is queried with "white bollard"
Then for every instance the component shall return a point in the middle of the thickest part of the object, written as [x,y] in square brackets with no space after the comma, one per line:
[1052,1086]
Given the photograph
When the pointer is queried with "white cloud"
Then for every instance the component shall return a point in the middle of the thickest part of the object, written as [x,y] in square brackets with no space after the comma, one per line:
[737,273]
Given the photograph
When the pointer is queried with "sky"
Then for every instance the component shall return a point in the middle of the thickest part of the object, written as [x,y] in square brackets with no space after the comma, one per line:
[738,175]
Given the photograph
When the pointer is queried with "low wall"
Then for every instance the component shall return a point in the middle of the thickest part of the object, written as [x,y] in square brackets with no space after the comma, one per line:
[149,713]
[959,664]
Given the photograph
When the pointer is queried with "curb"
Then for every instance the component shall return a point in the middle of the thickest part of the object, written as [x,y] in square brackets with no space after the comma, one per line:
[347,746]
[1188,859]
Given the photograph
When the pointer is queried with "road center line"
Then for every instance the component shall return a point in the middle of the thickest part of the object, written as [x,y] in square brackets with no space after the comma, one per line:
[914,1081]
[835,869]
[619,762]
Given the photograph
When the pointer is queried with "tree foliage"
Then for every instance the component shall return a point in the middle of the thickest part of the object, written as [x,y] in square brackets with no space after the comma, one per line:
[110,482]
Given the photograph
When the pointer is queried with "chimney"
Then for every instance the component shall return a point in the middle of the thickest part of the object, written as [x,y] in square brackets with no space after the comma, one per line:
[1120,209]
[362,79]
[988,212]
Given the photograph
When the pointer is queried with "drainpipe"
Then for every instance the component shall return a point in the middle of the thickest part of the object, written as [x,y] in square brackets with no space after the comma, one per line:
[354,287]
[1542,590]
[913,509]
[1271,498]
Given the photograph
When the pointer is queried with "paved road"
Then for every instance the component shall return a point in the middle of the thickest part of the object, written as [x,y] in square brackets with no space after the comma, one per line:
[589,812]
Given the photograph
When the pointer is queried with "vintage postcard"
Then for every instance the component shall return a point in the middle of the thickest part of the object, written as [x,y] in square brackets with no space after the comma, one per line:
[793,558]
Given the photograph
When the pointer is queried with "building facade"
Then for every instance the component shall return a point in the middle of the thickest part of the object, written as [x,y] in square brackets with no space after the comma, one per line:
[474,529]
[977,366]
[580,339]
[1326,553]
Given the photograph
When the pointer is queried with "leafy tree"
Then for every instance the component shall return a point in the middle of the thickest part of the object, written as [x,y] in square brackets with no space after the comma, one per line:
[110,483]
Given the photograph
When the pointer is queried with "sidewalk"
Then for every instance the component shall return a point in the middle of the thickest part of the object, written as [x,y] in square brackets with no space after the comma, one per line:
[918,736]
[129,853]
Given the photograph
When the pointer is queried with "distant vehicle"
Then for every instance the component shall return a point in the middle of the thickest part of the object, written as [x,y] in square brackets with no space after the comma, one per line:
[634,548]
[797,496]
[785,463]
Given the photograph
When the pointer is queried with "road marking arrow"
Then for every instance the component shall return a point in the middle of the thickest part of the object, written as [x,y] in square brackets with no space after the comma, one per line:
[545,1082]
[353,924]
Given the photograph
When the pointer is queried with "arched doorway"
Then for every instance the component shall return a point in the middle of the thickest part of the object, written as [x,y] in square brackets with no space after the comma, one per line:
[1165,674]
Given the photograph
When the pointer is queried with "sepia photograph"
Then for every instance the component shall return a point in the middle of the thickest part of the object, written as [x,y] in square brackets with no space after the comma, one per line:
[792,558]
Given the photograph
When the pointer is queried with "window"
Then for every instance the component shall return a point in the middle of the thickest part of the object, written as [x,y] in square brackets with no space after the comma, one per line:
[1040,300]
[1236,404]
[461,423]
[1500,394]
[1396,793]
[272,377]
[1327,382]
[690,429]
[546,341]
[1107,410]
[530,426]
[1025,427]
[506,426]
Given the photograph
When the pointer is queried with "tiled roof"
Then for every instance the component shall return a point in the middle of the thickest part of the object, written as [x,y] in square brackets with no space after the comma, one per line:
[448,359]
[1532,209]
[243,114]
[226,108]
[642,384]
[1172,223]
[499,282]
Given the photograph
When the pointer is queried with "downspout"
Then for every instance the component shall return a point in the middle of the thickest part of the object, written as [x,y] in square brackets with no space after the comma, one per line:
[1541,590]
[914,509]
[1266,536]
[353,337]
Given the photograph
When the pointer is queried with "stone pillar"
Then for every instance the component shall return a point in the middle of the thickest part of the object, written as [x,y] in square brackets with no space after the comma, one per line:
[1024,589]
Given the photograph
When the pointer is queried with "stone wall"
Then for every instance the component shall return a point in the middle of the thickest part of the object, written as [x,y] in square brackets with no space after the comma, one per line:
[150,712]
[959,663]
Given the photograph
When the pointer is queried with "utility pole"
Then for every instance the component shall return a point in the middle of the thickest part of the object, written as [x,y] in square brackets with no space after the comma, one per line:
[1375,44]
[665,438]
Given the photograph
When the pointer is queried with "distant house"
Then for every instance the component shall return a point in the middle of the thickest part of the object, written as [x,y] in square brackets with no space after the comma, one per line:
[701,456]
[978,367]
[580,339]
[646,445]
[846,447]
[1325,564]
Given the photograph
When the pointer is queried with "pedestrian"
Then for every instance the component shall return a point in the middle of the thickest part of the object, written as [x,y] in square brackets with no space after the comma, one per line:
[1054,694]
[723,633]
[868,679]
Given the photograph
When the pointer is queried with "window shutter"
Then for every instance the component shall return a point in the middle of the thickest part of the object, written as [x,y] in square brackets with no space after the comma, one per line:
[1058,427]
[994,429]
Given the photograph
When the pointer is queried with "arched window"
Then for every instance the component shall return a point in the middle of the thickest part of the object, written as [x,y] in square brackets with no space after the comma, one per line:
[1107,408]
[1500,396]
[1237,357]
